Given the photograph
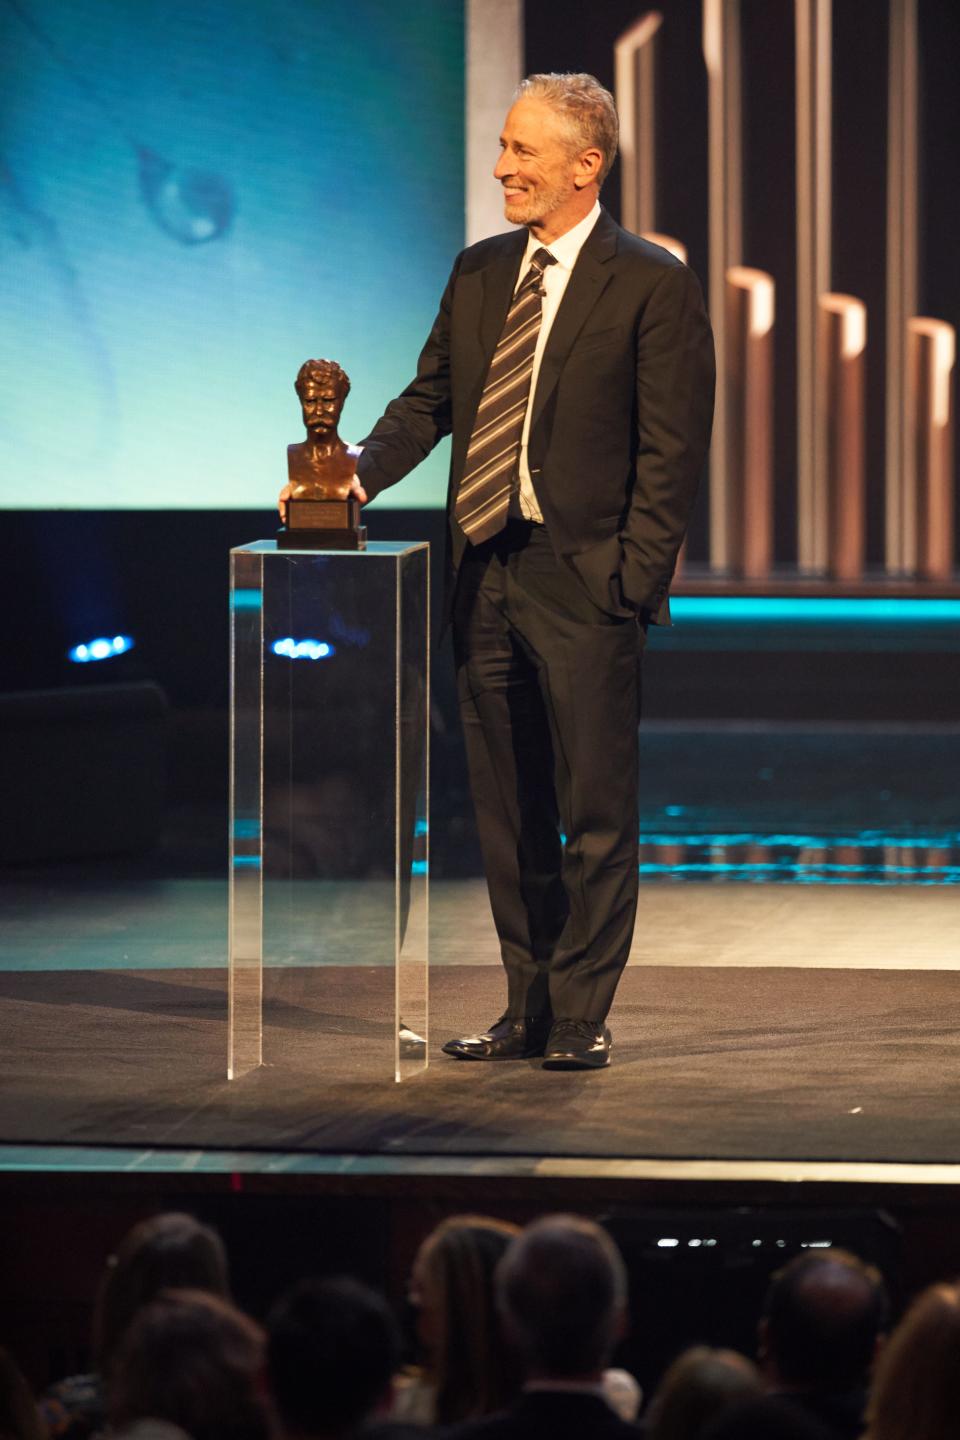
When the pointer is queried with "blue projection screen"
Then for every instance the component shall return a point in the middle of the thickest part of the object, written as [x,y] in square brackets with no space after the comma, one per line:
[195,197]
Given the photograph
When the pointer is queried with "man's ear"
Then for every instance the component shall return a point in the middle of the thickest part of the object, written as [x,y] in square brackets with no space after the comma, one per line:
[587,173]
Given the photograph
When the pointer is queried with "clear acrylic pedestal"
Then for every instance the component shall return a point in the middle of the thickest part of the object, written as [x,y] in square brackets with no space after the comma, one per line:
[329,787]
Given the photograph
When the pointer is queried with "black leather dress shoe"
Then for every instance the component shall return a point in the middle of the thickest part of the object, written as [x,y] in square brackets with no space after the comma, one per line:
[577,1045]
[506,1039]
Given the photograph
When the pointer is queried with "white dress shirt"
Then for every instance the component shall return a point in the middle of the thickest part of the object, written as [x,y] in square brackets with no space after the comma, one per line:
[565,251]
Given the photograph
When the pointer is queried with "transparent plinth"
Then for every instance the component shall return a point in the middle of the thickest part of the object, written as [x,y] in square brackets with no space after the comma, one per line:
[329,791]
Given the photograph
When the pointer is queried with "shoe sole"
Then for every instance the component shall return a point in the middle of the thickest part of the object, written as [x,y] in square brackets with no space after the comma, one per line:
[465,1055]
[570,1062]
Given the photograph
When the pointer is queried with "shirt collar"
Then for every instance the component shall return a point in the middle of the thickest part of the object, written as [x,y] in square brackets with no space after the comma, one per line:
[566,248]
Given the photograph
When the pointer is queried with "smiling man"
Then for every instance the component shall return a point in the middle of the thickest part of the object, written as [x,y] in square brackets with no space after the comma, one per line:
[573,364]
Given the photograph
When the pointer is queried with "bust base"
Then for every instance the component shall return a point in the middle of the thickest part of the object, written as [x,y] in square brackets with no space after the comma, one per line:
[323,525]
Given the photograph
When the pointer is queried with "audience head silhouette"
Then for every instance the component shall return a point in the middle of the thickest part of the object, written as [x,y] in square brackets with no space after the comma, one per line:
[19,1418]
[823,1316]
[764,1417]
[699,1385]
[194,1360]
[168,1251]
[562,1291]
[916,1388]
[332,1349]
[451,1288]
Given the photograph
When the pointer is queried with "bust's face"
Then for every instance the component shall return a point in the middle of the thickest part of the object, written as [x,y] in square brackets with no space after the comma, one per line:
[321,404]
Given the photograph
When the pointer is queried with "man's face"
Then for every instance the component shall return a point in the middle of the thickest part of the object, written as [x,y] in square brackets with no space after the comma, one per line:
[536,167]
[321,404]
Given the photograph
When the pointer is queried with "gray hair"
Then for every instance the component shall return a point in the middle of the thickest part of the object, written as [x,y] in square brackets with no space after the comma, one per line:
[586,108]
[561,1289]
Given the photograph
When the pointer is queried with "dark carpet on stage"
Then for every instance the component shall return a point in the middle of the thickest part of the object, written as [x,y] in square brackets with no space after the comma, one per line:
[730,1063]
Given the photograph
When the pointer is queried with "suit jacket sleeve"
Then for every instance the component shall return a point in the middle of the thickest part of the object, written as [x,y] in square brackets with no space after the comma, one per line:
[675,384]
[420,417]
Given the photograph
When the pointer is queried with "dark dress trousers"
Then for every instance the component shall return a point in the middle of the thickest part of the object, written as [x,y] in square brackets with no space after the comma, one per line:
[549,621]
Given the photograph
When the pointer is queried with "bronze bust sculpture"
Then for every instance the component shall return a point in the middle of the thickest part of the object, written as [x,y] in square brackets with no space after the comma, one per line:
[321,467]
[321,502]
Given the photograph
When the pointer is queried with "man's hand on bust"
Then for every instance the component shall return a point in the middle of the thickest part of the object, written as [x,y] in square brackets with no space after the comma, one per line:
[354,451]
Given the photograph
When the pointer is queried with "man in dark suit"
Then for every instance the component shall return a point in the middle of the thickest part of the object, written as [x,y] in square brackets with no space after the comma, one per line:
[561,1290]
[572,363]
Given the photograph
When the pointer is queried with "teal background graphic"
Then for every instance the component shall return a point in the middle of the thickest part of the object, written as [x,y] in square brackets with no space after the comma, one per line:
[196,196]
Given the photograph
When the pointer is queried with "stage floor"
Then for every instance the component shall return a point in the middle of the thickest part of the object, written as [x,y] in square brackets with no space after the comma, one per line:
[96,922]
[791,1007]
[775,1025]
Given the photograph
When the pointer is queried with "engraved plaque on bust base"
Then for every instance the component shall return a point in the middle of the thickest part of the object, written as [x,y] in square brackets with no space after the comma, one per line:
[323,525]
[322,511]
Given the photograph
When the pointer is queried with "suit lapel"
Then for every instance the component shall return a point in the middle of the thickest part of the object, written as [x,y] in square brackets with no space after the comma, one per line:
[491,292]
[590,277]
[499,283]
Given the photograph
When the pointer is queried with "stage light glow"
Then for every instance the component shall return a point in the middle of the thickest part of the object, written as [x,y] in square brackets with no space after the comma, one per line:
[812,610]
[814,874]
[241,599]
[942,358]
[302,649]
[666,242]
[667,1244]
[103,648]
[798,840]
[853,322]
[635,82]
[761,296]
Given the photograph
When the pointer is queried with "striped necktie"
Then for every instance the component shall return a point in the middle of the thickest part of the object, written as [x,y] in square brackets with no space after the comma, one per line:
[493,455]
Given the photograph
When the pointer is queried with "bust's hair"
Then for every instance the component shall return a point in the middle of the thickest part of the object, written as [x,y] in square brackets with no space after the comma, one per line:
[587,110]
[319,372]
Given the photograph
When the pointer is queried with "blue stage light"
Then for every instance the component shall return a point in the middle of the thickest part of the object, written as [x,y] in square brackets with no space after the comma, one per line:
[103,648]
[246,599]
[814,610]
[302,649]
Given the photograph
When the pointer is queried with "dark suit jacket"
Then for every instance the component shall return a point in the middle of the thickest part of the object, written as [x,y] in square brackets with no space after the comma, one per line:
[621,413]
[550,1415]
